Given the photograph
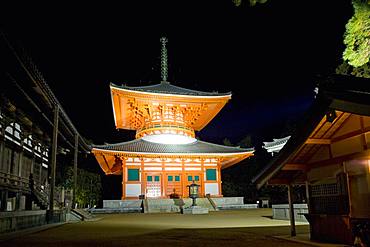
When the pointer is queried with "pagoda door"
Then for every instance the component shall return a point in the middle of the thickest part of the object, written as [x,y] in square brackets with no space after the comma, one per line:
[153,185]
[174,184]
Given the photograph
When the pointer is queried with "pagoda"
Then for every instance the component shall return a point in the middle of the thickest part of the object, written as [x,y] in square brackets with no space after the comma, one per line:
[165,157]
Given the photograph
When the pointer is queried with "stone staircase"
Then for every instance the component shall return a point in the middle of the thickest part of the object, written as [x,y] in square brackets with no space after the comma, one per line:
[163,205]
[202,202]
[170,205]
[82,214]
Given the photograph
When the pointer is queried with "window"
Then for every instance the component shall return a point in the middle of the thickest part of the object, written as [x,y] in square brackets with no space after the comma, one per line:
[211,174]
[132,174]
[156,178]
[170,178]
[149,178]
[196,178]
[177,178]
[190,178]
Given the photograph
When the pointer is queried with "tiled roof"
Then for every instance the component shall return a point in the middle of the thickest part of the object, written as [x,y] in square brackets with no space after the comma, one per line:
[142,146]
[276,142]
[167,88]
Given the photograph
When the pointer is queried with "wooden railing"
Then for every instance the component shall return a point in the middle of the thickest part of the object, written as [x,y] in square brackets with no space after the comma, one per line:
[14,181]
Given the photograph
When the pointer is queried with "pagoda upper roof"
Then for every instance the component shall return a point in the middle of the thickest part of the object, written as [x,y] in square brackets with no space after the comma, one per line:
[167,88]
[197,147]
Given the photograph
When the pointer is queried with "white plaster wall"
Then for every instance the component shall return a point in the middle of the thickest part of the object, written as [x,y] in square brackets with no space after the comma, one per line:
[211,188]
[133,190]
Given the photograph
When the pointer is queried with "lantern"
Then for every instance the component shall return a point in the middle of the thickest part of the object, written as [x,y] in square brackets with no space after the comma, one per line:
[193,192]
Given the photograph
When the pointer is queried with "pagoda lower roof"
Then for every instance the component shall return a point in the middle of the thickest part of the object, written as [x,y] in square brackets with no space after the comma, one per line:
[197,147]
[167,88]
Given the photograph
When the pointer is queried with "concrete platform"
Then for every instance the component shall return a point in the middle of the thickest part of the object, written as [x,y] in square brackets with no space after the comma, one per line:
[195,210]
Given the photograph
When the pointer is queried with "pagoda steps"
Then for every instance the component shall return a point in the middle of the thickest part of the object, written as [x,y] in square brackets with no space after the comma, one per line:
[162,205]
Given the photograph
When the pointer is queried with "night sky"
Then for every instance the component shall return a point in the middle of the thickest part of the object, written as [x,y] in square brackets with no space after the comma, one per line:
[267,56]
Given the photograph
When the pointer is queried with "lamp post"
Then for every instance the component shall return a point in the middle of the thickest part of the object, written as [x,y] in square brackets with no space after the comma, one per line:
[193,192]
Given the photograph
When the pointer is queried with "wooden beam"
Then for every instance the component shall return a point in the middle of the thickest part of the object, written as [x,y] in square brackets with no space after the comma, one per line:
[318,141]
[340,159]
[278,181]
[351,134]
[294,167]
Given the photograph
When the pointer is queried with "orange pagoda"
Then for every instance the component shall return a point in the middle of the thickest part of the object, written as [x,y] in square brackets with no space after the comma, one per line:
[165,157]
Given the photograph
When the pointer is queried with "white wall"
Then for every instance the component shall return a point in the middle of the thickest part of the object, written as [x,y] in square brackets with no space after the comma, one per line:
[133,190]
[211,188]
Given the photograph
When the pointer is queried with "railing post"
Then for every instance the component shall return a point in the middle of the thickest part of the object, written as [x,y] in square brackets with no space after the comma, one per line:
[54,150]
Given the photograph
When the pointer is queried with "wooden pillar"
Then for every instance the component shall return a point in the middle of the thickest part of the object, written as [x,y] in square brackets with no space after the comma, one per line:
[183,177]
[308,195]
[123,178]
[142,177]
[54,149]
[291,211]
[163,178]
[219,177]
[2,144]
[75,159]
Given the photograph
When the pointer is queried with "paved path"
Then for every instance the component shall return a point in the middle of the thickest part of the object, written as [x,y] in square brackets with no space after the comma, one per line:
[253,227]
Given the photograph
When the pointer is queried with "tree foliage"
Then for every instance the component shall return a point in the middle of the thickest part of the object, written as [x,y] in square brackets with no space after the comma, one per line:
[357,35]
[251,2]
[89,188]
[346,69]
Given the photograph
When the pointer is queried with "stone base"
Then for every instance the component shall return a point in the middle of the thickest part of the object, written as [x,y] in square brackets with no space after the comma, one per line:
[195,210]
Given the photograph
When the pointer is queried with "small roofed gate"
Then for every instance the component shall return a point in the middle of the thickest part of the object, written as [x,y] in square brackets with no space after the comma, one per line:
[330,154]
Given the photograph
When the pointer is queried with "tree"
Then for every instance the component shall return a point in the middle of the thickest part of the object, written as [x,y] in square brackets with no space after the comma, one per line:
[246,142]
[357,35]
[227,142]
[251,2]
[89,188]
[346,69]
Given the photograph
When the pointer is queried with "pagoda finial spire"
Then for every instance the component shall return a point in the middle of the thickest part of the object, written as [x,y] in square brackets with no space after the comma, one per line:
[164,66]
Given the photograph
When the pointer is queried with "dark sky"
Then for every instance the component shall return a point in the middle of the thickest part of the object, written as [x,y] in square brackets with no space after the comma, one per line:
[268,56]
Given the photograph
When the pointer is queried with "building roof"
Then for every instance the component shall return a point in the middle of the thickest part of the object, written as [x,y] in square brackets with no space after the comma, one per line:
[276,142]
[337,92]
[197,147]
[167,88]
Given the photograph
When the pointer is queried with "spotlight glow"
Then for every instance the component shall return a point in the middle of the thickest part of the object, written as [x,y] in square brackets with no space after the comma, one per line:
[169,139]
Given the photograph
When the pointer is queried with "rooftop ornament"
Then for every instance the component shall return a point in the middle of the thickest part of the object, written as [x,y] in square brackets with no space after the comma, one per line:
[164,66]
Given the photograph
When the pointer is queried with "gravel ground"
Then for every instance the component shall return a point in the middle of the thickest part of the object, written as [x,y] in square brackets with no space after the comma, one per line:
[253,227]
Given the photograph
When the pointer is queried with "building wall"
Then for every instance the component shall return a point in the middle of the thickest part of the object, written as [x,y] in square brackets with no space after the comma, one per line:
[161,177]
[20,155]
[358,171]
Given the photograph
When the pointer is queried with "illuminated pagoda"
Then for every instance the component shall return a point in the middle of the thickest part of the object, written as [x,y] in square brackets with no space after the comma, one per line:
[165,157]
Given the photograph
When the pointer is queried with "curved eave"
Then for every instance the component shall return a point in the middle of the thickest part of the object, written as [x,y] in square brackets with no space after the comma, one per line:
[149,154]
[156,94]
[227,159]
[217,102]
